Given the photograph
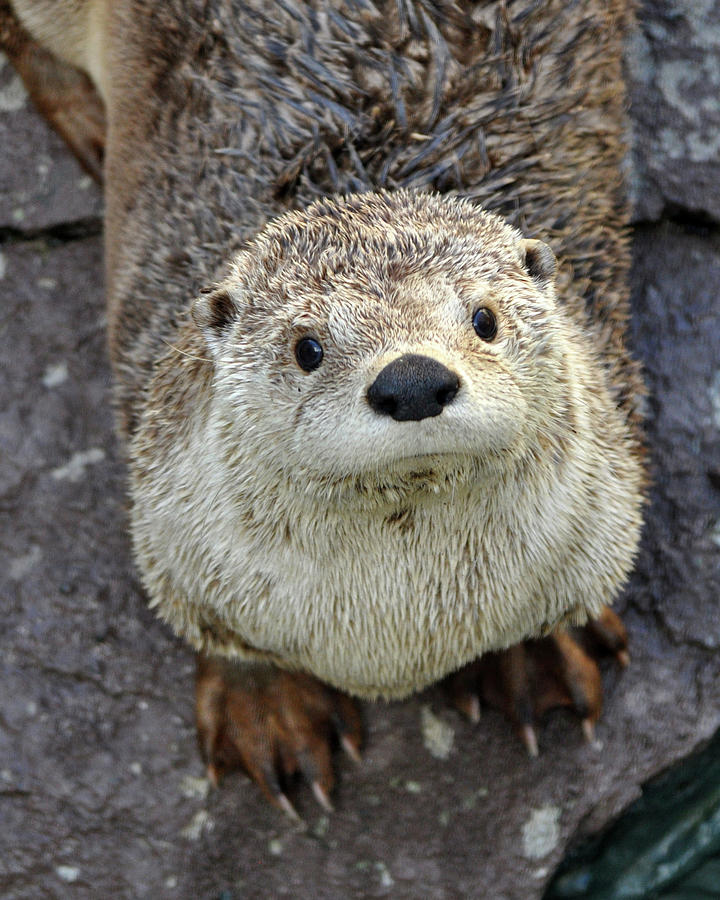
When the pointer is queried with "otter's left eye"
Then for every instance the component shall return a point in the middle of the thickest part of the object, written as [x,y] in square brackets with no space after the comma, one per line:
[308,353]
[484,323]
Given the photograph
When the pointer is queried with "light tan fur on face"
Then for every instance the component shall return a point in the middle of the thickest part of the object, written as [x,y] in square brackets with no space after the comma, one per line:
[277,516]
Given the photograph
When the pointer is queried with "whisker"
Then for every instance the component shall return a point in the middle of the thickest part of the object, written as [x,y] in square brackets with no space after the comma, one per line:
[183,353]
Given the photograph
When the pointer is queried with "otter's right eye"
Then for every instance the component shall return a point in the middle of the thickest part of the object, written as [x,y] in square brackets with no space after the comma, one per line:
[308,353]
[484,323]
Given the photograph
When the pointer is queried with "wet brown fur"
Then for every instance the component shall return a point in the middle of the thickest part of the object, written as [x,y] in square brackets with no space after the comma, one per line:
[236,112]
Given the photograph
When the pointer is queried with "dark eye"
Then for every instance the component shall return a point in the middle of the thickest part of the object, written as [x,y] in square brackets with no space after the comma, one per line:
[308,353]
[484,323]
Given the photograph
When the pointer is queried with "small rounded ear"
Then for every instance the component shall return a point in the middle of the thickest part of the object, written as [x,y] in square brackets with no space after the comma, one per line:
[213,313]
[539,261]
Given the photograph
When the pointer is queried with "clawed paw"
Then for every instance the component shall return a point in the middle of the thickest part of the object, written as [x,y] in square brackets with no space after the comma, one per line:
[275,726]
[530,678]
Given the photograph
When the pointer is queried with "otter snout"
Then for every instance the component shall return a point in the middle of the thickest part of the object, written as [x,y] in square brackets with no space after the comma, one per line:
[413,387]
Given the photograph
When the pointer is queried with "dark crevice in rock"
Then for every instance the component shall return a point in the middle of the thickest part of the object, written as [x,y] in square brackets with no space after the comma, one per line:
[696,222]
[14,793]
[693,221]
[56,235]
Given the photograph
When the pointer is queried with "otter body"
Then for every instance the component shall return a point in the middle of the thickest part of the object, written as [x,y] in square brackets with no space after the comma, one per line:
[291,103]
[308,515]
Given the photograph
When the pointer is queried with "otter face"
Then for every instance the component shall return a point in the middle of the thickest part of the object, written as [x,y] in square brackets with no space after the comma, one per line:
[387,333]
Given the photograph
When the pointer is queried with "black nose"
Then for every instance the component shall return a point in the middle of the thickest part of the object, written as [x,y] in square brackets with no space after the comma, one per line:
[413,387]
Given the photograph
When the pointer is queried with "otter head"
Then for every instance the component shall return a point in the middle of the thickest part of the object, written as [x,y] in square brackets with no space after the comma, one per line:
[382,334]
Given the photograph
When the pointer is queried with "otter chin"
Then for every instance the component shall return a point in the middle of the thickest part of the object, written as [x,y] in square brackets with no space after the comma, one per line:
[381,447]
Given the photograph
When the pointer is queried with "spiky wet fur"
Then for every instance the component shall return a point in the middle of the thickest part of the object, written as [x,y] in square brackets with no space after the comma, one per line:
[236,112]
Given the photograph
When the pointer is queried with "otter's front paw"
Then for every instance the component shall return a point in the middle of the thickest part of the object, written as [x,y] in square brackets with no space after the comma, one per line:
[272,724]
[530,678]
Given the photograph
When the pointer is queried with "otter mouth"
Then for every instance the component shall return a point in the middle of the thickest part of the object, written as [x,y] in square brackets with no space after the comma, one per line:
[427,462]
[421,465]
[414,474]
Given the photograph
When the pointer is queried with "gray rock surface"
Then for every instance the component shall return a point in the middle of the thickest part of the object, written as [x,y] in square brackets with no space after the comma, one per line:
[674,66]
[677,334]
[41,184]
[101,787]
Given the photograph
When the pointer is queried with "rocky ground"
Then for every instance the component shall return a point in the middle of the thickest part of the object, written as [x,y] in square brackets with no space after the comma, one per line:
[101,788]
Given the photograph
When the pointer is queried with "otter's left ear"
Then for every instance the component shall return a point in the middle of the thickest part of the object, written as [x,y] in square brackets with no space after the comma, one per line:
[538,260]
[214,312]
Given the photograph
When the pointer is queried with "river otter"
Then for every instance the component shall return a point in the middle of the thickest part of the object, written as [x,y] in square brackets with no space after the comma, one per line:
[392,434]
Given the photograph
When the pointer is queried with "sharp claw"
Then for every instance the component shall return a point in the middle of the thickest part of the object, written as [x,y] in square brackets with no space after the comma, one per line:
[469,706]
[351,750]
[322,798]
[529,738]
[287,807]
[473,709]
[588,728]
[212,775]
[623,657]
